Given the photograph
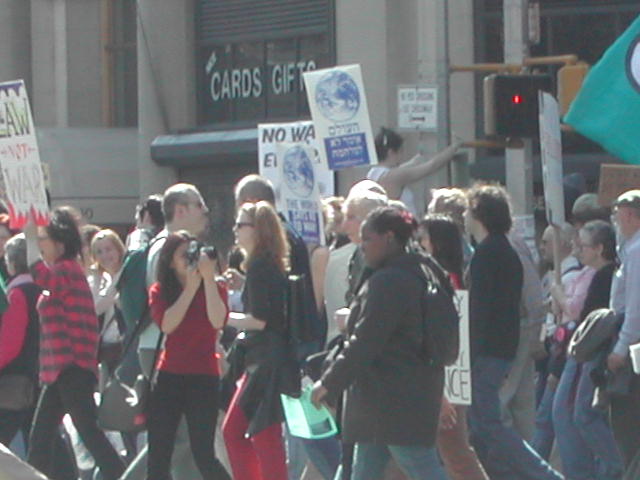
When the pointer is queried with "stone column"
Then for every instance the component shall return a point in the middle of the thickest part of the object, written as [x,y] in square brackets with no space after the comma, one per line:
[166,81]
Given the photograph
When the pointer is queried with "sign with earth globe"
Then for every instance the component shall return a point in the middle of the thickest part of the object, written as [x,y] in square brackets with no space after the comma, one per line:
[297,171]
[299,192]
[340,116]
[337,96]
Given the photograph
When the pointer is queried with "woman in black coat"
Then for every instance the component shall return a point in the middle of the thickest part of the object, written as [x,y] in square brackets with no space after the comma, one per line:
[392,394]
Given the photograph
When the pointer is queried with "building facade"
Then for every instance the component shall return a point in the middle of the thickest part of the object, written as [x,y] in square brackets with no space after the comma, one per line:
[132,95]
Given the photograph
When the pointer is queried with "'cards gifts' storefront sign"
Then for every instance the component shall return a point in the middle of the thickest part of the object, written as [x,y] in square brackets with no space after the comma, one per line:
[258,80]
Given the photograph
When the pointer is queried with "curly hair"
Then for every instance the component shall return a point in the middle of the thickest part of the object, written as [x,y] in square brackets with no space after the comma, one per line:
[270,236]
[170,286]
[489,204]
[390,219]
[63,228]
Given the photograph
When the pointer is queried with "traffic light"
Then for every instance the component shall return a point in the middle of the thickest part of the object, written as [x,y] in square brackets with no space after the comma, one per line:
[511,104]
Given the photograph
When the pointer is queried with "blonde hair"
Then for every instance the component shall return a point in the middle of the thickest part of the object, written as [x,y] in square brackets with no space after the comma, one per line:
[270,237]
[106,234]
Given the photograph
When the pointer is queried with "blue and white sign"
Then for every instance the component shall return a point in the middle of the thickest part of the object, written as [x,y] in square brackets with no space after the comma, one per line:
[301,173]
[299,191]
[341,117]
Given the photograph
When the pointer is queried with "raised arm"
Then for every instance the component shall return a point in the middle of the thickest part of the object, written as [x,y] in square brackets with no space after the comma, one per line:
[413,170]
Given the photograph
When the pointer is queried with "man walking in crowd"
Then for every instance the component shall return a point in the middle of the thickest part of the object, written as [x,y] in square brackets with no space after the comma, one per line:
[184,209]
[494,301]
[625,410]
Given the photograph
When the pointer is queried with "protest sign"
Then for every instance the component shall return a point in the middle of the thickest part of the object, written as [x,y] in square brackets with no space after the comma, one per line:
[615,180]
[341,117]
[551,156]
[299,191]
[270,134]
[457,377]
[24,185]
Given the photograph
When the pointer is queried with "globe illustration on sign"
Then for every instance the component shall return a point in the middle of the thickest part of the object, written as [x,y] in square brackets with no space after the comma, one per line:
[337,96]
[297,171]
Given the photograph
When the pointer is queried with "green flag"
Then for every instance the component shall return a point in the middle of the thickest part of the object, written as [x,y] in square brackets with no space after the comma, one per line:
[607,107]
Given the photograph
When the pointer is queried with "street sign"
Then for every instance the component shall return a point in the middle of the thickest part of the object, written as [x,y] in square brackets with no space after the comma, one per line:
[418,108]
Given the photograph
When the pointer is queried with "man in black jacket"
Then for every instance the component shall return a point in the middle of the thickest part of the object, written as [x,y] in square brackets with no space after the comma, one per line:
[496,283]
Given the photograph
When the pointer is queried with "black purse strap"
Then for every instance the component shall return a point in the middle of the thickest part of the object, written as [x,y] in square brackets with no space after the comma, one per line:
[130,341]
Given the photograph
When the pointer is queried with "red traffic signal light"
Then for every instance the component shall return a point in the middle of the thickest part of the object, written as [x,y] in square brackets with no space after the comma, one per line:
[511,104]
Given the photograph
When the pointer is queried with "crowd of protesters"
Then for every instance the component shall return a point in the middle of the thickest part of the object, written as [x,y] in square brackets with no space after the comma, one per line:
[215,337]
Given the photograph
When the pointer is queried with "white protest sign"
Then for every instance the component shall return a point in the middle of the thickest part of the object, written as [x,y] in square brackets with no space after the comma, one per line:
[418,108]
[270,134]
[19,158]
[457,377]
[551,156]
[299,192]
[340,114]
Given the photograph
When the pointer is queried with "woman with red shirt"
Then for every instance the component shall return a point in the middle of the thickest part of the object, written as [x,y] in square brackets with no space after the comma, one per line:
[68,345]
[190,307]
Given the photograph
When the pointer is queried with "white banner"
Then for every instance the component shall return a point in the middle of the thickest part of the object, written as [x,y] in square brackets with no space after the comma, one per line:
[457,379]
[19,158]
[551,156]
[340,114]
[299,191]
[270,134]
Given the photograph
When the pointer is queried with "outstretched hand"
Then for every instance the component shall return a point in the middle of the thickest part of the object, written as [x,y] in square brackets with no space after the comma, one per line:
[318,394]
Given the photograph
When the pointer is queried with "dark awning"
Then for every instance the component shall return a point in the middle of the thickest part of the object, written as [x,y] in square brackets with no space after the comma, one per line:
[205,148]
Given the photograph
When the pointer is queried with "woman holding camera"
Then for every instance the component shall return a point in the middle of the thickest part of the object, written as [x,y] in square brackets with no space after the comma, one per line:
[189,306]
[252,428]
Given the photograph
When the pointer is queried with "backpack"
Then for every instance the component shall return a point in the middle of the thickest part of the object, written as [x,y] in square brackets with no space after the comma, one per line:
[132,286]
[440,319]
[299,326]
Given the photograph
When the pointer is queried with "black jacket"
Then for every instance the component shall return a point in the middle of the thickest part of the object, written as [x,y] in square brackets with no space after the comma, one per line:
[392,395]
[494,298]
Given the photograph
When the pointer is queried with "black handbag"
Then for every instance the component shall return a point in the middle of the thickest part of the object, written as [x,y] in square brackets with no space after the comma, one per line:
[594,333]
[17,392]
[123,408]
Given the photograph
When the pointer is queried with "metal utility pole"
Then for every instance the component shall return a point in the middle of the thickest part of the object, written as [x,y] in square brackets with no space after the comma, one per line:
[518,163]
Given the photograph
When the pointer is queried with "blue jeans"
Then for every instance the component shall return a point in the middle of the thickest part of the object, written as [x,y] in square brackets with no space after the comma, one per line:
[585,440]
[417,461]
[543,438]
[324,454]
[504,454]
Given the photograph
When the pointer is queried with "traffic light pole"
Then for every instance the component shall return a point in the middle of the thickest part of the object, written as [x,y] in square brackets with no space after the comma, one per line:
[518,162]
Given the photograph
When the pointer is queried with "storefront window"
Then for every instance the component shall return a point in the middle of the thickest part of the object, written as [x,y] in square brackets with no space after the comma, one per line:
[583,28]
[120,53]
[255,81]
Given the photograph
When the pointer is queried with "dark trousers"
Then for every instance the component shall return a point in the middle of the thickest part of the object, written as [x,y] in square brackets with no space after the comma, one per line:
[71,393]
[12,421]
[625,421]
[196,397]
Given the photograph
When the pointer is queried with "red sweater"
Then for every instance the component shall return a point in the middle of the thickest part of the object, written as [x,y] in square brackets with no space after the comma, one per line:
[13,326]
[68,321]
[191,347]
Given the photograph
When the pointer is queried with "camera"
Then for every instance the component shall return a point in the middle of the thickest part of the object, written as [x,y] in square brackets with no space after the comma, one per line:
[195,248]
